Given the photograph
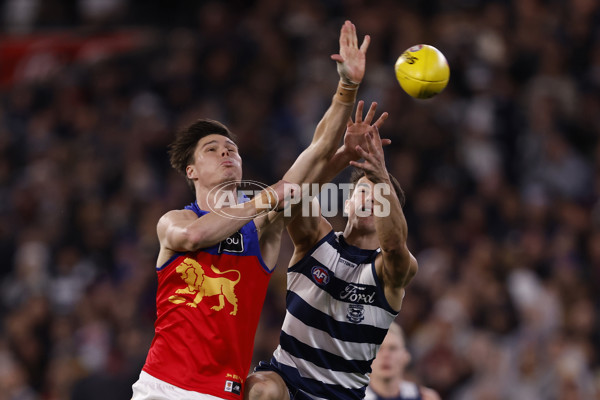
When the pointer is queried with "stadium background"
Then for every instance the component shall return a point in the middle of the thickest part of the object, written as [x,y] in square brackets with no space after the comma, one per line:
[500,171]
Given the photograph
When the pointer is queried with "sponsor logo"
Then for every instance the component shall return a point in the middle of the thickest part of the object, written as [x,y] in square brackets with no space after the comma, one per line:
[346,262]
[233,244]
[320,275]
[233,387]
[355,294]
[410,59]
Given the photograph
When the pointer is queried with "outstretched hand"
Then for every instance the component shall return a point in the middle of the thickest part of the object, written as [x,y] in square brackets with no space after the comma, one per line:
[355,130]
[374,160]
[351,59]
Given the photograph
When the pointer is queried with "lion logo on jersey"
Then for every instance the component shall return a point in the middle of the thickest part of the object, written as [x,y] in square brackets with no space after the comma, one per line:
[202,286]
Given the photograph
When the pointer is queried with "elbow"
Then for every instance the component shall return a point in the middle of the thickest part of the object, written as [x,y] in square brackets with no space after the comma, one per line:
[413,268]
[403,265]
[193,239]
[395,248]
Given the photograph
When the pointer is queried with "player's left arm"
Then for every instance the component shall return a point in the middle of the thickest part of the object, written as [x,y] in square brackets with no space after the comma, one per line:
[313,160]
[396,266]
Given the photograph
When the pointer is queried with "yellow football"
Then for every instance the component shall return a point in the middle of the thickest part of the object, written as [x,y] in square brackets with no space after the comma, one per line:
[422,71]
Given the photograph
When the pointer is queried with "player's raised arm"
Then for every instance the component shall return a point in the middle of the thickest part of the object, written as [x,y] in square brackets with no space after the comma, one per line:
[328,133]
[313,161]
[396,266]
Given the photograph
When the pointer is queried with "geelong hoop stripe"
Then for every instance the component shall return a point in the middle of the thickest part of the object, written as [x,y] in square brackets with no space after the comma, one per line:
[336,318]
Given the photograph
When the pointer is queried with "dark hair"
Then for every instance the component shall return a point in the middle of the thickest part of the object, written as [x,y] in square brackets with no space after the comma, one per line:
[181,150]
[359,173]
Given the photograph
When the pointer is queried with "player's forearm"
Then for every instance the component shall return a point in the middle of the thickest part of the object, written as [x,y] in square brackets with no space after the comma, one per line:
[330,129]
[390,223]
[336,164]
[313,161]
[392,231]
[214,227]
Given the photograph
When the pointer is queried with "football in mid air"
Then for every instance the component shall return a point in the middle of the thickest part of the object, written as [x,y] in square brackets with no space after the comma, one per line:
[422,71]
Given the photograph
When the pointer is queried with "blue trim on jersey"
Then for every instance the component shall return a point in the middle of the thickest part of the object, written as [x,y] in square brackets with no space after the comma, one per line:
[346,331]
[315,387]
[353,253]
[347,252]
[169,261]
[248,231]
[322,358]
[381,293]
[324,239]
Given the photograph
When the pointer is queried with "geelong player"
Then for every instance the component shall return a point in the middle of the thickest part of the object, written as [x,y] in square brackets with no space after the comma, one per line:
[344,289]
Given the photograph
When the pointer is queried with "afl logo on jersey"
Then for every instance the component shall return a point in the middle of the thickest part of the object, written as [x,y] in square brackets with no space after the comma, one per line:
[320,275]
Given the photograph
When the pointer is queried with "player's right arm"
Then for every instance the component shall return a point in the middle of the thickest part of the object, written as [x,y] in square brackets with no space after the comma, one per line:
[183,230]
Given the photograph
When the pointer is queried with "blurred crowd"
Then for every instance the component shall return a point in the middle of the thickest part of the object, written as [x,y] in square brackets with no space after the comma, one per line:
[500,173]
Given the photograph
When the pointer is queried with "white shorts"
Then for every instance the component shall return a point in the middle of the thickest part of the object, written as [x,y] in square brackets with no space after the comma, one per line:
[151,388]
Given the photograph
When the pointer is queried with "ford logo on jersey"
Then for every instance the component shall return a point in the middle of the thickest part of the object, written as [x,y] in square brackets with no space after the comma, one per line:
[320,275]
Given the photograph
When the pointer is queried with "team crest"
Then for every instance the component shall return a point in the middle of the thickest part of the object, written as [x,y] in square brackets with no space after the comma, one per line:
[356,313]
[200,286]
[320,275]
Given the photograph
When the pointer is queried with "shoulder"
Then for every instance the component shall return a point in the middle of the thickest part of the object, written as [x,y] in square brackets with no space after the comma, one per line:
[175,218]
[177,215]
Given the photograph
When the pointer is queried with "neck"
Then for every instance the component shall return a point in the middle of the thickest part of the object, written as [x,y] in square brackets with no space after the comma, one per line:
[388,388]
[361,238]
[208,199]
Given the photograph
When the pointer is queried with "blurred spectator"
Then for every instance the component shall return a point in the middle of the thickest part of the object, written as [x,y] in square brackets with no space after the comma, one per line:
[389,378]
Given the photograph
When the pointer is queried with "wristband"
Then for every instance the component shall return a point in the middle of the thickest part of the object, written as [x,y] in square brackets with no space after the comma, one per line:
[346,93]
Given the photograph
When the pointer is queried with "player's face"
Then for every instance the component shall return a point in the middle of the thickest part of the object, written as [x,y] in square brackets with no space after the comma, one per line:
[216,160]
[360,205]
[391,359]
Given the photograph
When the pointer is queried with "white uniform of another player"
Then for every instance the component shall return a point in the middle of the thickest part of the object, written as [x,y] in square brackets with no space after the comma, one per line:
[408,391]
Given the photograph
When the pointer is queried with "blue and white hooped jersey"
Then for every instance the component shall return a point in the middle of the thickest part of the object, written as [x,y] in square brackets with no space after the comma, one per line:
[336,318]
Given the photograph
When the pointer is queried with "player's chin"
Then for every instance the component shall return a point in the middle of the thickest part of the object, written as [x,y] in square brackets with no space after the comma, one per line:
[232,174]
[367,221]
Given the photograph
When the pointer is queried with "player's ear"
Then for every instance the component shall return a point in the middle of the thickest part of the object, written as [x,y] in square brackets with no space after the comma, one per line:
[346,206]
[190,172]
